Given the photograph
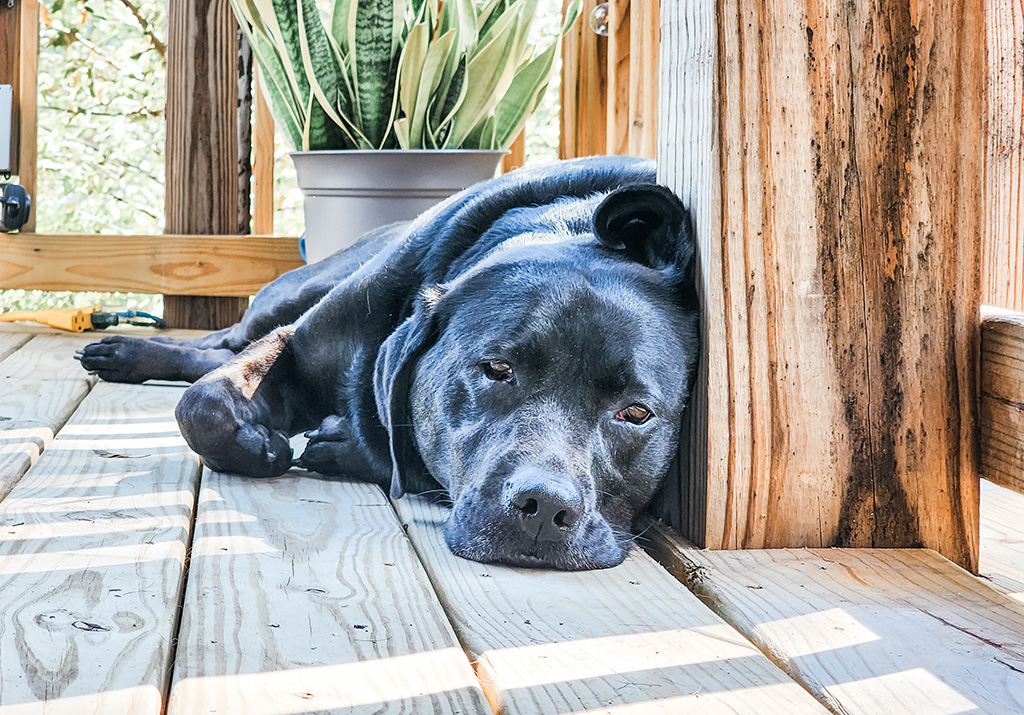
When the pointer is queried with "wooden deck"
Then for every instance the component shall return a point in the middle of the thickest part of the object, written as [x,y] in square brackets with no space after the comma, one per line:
[134,581]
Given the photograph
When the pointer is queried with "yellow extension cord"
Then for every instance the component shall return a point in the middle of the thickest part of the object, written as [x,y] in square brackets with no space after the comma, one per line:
[73,319]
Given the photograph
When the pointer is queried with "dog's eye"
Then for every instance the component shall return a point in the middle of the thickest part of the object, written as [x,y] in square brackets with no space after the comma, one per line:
[634,414]
[498,370]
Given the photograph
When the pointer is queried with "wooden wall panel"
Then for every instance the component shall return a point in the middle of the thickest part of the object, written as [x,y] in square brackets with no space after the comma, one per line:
[645,38]
[584,91]
[830,155]
[202,142]
[1003,284]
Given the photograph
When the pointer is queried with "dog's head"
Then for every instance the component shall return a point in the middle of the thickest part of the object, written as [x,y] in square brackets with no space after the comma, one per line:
[545,386]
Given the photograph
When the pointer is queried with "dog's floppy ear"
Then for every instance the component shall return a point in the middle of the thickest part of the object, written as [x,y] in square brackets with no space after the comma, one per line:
[650,224]
[392,377]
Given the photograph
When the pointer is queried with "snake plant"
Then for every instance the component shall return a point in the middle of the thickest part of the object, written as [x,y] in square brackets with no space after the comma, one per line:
[410,74]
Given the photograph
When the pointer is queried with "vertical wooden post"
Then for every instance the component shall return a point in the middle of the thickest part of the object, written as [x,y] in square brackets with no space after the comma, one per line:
[644,41]
[1003,264]
[202,142]
[620,58]
[263,166]
[584,89]
[516,156]
[831,156]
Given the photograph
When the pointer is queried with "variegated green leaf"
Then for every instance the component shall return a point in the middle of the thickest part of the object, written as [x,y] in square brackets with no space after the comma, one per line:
[320,131]
[488,75]
[283,105]
[528,87]
[431,72]
[413,57]
[324,71]
[374,68]
[482,136]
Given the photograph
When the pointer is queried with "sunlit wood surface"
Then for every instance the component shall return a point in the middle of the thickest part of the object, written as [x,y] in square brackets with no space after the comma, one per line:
[134,581]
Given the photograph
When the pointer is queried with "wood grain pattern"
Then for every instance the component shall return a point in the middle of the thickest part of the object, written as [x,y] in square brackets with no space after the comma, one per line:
[1002,539]
[92,558]
[644,41]
[202,142]
[178,264]
[628,639]
[41,385]
[1003,265]
[1002,398]
[516,156]
[620,59]
[305,595]
[262,163]
[829,156]
[870,631]
[584,89]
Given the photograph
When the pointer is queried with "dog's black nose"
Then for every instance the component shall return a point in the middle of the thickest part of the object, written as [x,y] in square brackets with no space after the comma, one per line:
[546,510]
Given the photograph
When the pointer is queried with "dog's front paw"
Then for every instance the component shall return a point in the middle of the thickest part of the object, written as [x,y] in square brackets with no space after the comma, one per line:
[334,450]
[118,358]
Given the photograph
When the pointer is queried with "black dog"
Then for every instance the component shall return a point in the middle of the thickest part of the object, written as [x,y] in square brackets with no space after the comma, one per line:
[528,345]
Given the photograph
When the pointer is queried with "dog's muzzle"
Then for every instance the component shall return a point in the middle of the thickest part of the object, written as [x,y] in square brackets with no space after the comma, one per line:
[535,520]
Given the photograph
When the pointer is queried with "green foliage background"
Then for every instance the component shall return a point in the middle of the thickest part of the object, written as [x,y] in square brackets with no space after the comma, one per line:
[102,79]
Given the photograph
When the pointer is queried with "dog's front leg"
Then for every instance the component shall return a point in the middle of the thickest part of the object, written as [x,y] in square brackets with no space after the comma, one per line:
[238,417]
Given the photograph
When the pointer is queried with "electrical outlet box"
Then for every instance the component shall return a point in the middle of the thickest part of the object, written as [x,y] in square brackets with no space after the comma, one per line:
[6,117]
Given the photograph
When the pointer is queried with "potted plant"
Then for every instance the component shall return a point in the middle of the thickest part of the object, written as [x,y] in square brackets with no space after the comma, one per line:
[394,104]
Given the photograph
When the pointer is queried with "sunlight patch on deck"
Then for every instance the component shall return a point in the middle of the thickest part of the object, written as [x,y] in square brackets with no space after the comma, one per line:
[138,699]
[822,630]
[942,700]
[341,685]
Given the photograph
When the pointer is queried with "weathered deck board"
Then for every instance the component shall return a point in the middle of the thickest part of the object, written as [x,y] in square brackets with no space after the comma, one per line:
[91,559]
[870,631]
[305,595]
[40,387]
[9,342]
[629,639]
[1002,539]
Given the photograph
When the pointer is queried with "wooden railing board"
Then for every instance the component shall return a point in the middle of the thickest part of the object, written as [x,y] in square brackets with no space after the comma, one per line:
[1002,539]
[305,595]
[41,385]
[870,631]
[180,264]
[1002,397]
[626,639]
[92,559]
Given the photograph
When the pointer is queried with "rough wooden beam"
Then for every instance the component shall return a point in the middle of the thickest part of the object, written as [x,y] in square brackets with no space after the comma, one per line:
[179,264]
[830,155]
[1004,231]
[202,142]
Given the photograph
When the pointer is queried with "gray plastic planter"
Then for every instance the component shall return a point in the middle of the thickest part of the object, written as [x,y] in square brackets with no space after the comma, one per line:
[347,193]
